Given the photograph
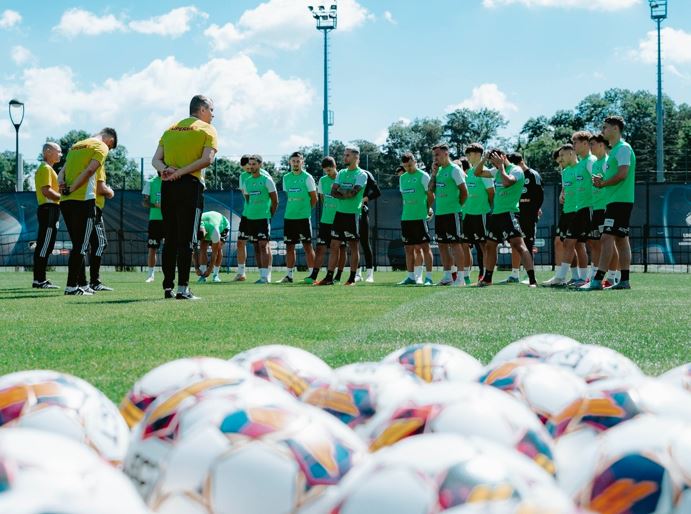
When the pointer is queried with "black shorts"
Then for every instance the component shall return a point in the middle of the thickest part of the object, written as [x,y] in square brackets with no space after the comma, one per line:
[447,228]
[617,218]
[528,223]
[597,223]
[155,233]
[503,227]
[579,226]
[346,227]
[414,232]
[243,230]
[564,224]
[474,228]
[297,231]
[258,230]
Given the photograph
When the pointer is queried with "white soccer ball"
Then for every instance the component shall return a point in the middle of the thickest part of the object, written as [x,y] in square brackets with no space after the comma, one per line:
[538,346]
[639,466]
[437,362]
[253,452]
[67,405]
[172,376]
[679,376]
[592,363]
[293,369]
[435,473]
[41,472]
[360,391]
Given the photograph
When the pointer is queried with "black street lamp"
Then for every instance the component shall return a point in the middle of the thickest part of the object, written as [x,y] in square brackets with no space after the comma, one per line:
[16,109]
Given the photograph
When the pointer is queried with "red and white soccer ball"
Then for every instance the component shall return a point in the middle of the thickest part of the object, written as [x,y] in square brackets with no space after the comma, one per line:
[42,472]
[437,473]
[639,466]
[592,362]
[172,376]
[293,369]
[679,376]
[538,346]
[437,362]
[66,405]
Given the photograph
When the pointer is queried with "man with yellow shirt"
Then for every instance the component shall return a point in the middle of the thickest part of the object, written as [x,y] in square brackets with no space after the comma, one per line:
[78,188]
[48,213]
[184,151]
[98,240]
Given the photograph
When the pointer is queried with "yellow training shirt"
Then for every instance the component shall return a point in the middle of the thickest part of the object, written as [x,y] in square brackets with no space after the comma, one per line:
[184,142]
[100,177]
[78,158]
[45,176]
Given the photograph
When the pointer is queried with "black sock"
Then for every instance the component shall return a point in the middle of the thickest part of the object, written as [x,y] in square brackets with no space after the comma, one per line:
[315,274]
[481,271]
[338,274]
[624,275]
[599,275]
[487,277]
[351,277]
[329,275]
[531,276]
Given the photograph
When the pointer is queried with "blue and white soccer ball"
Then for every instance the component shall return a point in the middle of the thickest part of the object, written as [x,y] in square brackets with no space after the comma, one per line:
[679,376]
[592,362]
[437,362]
[538,346]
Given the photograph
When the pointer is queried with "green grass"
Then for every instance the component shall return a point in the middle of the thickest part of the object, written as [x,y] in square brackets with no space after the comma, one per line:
[111,339]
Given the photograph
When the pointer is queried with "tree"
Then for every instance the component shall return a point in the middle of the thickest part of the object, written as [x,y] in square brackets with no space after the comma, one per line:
[465,126]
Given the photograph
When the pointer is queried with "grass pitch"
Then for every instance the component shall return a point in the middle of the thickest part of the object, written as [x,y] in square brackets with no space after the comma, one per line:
[111,339]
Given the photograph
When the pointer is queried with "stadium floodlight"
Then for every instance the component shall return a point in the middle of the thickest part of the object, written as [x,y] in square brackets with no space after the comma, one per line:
[658,13]
[16,109]
[326,22]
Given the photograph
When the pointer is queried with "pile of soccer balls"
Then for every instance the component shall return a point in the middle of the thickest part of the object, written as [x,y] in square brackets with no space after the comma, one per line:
[550,426]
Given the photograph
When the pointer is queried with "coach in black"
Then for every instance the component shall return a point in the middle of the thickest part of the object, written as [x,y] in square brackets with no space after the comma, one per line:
[372,192]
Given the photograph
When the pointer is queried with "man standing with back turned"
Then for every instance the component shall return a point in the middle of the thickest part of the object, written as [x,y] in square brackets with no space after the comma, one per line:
[185,149]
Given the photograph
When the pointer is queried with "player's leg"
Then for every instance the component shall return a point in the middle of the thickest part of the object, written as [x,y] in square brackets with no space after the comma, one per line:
[354,246]
[241,246]
[366,245]
[490,251]
[48,216]
[290,263]
[459,262]
[98,244]
[519,246]
[169,207]
[409,264]
[201,256]
[428,259]
[333,261]
[342,257]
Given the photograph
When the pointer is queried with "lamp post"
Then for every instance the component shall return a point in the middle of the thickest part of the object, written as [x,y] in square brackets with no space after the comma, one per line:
[326,22]
[16,109]
[658,13]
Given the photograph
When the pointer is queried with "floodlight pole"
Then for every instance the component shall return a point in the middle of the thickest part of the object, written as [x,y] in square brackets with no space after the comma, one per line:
[16,110]
[658,13]
[326,22]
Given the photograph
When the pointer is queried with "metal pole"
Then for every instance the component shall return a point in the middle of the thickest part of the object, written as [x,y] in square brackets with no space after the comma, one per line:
[20,178]
[660,120]
[326,92]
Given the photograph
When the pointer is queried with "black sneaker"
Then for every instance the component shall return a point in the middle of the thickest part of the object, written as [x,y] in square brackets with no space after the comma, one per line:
[78,291]
[46,284]
[187,295]
[168,293]
[100,287]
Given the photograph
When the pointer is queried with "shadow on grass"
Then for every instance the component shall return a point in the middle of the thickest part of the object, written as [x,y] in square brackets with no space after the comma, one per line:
[25,296]
[123,300]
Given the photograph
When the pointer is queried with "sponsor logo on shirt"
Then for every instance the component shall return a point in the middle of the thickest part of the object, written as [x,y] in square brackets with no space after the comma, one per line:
[294,190]
[408,191]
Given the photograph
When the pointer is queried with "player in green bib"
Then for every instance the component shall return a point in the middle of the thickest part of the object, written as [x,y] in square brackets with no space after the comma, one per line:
[619,184]
[417,202]
[152,200]
[503,225]
[301,197]
[348,189]
[582,224]
[214,228]
[242,227]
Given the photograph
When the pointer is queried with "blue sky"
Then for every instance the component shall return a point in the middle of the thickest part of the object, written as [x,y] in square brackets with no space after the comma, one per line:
[134,65]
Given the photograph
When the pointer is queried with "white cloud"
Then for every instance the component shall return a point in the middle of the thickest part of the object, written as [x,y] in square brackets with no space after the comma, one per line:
[21,55]
[9,19]
[75,22]
[676,47]
[675,71]
[388,16]
[174,24]
[486,96]
[284,24]
[295,141]
[381,136]
[606,5]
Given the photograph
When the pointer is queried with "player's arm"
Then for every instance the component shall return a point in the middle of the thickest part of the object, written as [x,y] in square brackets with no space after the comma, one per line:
[103,189]
[215,251]
[621,174]
[351,193]
[312,189]
[490,197]
[463,192]
[562,196]
[50,193]
[507,180]
[313,199]
[85,175]
[372,191]
[274,202]
[206,160]
[158,163]
[539,192]
[480,170]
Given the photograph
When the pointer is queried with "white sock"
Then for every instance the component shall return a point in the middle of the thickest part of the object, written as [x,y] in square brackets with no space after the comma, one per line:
[611,275]
[583,273]
[419,270]
[454,269]
[563,270]
[447,274]
[290,272]
[574,274]
[428,274]
[617,275]
[411,275]
[268,273]
[217,269]
[182,289]
[241,269]
[151,271]
[515,272]
[263,272]
[370,272]
[202,268]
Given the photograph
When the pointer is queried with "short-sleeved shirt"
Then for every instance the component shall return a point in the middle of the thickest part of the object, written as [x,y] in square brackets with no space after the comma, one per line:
[584,182]
[621,155]
[447,195]
[152,189]
[214,224]
[414,187]
[508,199]
[599,194]
[297,188]
[478,196]
[45,176]
[568,184]
[100,177]
[329,203]
[244,176]
[257,190]
[78,158]
[350,179]
[184,142]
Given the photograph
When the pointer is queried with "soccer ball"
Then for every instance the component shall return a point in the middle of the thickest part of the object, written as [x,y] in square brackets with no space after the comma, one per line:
[546,390]
[291,368]
[437,362]
[538,346]
[67,405]
[592,363]
[610,402]
[679,376]
[239,454]
[360,391]
[173,376]
[639,466]
[42,472]
[467,410]
[436,473]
